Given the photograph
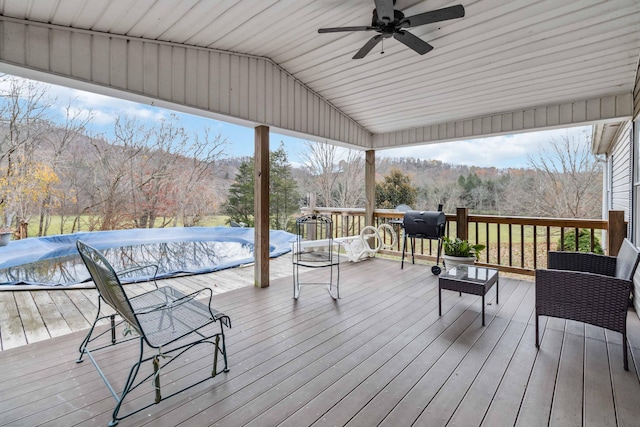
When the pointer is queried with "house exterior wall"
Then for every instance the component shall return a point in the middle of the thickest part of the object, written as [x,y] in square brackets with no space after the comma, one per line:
[634,197]
[636,96]
[622,186]
[621,176]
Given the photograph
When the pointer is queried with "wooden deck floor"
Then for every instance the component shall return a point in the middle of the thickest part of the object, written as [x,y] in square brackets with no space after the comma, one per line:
[29,316]
[380,355]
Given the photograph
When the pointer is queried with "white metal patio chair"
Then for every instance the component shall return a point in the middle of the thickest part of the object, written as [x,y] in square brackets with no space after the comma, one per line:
[315,248]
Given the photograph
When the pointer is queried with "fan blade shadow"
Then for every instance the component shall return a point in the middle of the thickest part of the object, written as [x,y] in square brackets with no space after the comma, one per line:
[413,42]
[444,14]
[341,29]
[373,41]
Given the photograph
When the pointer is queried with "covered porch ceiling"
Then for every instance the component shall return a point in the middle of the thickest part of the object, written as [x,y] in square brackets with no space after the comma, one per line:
[507,66]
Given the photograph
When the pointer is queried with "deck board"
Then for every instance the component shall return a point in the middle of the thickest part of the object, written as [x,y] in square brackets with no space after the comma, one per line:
[32,324]
[12,333]
[479,395]
[379,355]
[505,403]
[598,408]
[536,405]
[51,315]
[567,399]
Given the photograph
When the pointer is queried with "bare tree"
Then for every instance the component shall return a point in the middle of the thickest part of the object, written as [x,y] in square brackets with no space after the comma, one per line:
[350,184]
[24,107]
[61,147]
[197,192]
[109,191]
[153,175]
[336,175]
[569,180]
[320,160]
[152,172]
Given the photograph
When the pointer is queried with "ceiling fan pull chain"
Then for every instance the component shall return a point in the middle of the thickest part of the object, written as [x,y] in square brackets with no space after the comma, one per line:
[382,51]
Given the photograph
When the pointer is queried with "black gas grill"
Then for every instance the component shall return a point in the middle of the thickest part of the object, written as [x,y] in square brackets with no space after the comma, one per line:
[423,225]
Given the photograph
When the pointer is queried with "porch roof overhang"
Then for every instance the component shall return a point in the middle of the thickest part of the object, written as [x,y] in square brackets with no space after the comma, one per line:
[506,67]
[603,137]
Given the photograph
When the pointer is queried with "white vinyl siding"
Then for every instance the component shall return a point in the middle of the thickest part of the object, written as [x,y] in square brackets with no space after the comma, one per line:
[636,96]
[568,114]
[253,90]
[621,171]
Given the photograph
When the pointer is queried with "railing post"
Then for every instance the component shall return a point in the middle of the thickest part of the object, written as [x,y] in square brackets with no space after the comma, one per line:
[616,232]
[462,223]
[344,220]
[369,186]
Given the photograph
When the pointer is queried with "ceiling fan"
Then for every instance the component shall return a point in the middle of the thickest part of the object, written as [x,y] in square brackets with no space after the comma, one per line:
[389,22]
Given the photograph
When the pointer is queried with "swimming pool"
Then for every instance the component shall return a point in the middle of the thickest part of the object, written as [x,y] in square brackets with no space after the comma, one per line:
[54,260]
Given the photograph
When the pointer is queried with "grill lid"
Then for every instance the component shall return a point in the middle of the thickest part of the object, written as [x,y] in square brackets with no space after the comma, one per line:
[424,224]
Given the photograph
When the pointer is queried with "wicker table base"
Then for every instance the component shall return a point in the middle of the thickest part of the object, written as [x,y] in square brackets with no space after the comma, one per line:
[470,280]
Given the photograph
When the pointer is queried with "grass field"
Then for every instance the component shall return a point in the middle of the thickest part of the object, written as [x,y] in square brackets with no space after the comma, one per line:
[54,227]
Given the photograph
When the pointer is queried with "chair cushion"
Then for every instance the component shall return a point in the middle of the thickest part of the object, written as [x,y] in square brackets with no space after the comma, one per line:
[627,260]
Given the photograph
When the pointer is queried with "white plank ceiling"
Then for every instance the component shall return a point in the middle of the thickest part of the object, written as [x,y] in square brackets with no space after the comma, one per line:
[503,57]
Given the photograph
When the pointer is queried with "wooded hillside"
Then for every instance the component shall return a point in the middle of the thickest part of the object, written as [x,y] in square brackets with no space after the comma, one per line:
[157,174]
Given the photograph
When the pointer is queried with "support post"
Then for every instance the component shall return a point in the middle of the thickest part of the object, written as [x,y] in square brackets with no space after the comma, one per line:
[462,223]
[261,207]
[369,186]
[616,232]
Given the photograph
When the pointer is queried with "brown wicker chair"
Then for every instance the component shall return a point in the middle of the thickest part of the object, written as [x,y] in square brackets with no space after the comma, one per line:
[588,288]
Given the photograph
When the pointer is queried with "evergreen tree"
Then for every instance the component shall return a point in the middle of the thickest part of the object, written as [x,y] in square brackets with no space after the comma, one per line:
[395,190]
[283,198]
[239,205]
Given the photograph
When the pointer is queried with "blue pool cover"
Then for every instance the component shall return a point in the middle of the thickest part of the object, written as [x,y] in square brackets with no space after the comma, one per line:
[226,247]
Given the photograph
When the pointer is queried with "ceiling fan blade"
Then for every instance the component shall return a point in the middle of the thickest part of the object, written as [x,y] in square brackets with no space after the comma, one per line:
[373,41]
[384,9]
[413,42]
[341,29]
[444,14]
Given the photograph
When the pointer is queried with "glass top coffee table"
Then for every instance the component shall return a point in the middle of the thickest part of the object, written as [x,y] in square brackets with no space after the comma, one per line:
[470,280]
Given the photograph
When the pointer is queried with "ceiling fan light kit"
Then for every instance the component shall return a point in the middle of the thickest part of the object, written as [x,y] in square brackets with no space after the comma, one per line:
[388,22]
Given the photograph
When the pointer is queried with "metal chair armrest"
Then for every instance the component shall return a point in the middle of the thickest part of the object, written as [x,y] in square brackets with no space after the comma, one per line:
[134,268]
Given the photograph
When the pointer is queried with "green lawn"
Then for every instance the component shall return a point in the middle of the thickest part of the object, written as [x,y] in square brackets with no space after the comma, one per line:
[86,220]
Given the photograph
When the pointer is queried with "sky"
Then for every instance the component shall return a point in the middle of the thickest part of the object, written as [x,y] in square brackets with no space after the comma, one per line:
[502,151]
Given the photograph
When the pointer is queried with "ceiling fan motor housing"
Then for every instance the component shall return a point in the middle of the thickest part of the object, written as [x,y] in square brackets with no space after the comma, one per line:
[377,22]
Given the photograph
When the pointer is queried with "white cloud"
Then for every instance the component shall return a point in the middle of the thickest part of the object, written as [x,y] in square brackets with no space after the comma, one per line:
[102,118]
[144,113]
[94,100]
[499,151]
[113,107]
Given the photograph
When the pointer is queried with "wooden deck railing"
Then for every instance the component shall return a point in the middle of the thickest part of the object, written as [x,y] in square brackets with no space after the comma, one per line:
[513,244]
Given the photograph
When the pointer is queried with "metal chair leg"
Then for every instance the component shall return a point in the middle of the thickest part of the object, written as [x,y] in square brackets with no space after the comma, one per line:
[404,247]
